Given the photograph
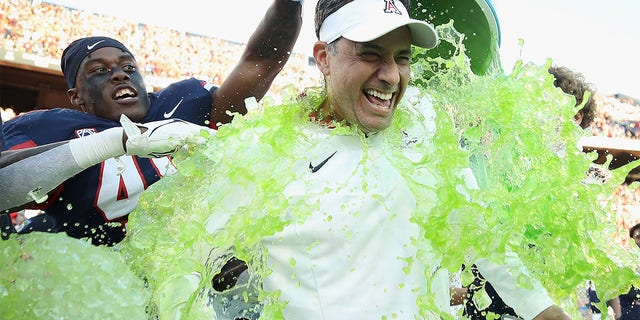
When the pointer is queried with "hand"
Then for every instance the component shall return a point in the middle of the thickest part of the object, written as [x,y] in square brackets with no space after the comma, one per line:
[161,138]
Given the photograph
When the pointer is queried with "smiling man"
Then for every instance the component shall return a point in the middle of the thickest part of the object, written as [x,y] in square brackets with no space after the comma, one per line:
[351,257]
[349,245]
[105,82]
[351,254]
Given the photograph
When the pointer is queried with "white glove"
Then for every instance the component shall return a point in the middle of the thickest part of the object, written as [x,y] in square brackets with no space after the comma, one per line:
[162,138]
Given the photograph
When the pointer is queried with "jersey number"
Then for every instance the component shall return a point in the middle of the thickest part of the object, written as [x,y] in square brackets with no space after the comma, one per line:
[118,194]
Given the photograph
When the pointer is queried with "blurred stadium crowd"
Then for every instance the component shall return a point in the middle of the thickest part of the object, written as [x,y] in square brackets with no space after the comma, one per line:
[167,55]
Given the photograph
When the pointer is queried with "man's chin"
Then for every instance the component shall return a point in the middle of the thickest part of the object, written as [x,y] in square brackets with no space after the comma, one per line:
[375,126]
[135,113]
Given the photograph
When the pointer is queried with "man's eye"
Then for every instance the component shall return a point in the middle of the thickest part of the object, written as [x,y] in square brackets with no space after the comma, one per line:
[129,68]
[100,70]
[403,60]
[369,55]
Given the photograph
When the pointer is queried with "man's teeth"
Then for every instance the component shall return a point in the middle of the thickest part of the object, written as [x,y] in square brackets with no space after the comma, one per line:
[125,92]
[378,94]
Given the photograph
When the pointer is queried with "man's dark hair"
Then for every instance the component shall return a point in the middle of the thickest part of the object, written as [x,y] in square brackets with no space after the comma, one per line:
[633,229]
[573,83]
[325,8]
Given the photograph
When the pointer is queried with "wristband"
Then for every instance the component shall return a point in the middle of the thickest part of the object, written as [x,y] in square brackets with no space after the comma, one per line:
[98,147]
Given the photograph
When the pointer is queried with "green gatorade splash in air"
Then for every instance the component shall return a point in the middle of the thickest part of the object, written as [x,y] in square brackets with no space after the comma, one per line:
[520,141]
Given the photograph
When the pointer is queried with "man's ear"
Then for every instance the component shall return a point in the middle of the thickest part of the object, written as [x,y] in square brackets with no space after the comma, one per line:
[75,99]
[320,54]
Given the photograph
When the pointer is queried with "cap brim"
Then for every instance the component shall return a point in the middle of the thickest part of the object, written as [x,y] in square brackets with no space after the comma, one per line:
[422,34]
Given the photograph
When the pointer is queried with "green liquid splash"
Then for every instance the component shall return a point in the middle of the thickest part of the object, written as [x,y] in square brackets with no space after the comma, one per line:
[513,131]
[53,276]
[518,136]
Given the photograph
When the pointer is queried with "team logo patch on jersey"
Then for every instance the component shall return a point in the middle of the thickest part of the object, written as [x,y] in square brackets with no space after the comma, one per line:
[85,132]
[206,85]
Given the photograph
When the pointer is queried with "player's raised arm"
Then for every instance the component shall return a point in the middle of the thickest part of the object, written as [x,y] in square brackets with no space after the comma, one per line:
[266,53]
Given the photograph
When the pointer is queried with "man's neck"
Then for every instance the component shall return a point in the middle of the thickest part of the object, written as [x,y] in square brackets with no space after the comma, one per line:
[326,115]
[325,112]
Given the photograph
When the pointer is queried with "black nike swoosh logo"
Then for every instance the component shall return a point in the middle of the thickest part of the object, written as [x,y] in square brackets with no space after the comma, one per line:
[316,168]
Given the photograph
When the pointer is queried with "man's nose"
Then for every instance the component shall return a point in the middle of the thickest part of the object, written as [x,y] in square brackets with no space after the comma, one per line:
[117,74]
[389,72]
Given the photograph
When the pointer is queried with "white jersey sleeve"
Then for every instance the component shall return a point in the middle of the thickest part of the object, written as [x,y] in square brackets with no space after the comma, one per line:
[527,302]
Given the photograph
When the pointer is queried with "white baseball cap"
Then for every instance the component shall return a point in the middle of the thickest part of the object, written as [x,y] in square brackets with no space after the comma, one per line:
[366,20]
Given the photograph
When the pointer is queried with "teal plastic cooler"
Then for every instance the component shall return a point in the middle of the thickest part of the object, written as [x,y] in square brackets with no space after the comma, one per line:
[476,19]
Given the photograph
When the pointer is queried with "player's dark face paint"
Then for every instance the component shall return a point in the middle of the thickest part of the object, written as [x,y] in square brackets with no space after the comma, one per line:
[109,84]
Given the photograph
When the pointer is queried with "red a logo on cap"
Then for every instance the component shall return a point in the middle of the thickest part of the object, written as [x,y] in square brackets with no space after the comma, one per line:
[390,7]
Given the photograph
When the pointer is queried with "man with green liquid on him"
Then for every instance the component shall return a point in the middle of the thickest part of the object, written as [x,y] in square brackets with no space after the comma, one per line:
[348,206]
[353,265]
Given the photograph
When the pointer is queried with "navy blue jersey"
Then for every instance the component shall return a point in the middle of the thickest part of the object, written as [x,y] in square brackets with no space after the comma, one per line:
[630,305]
[96,202]
[593,299]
